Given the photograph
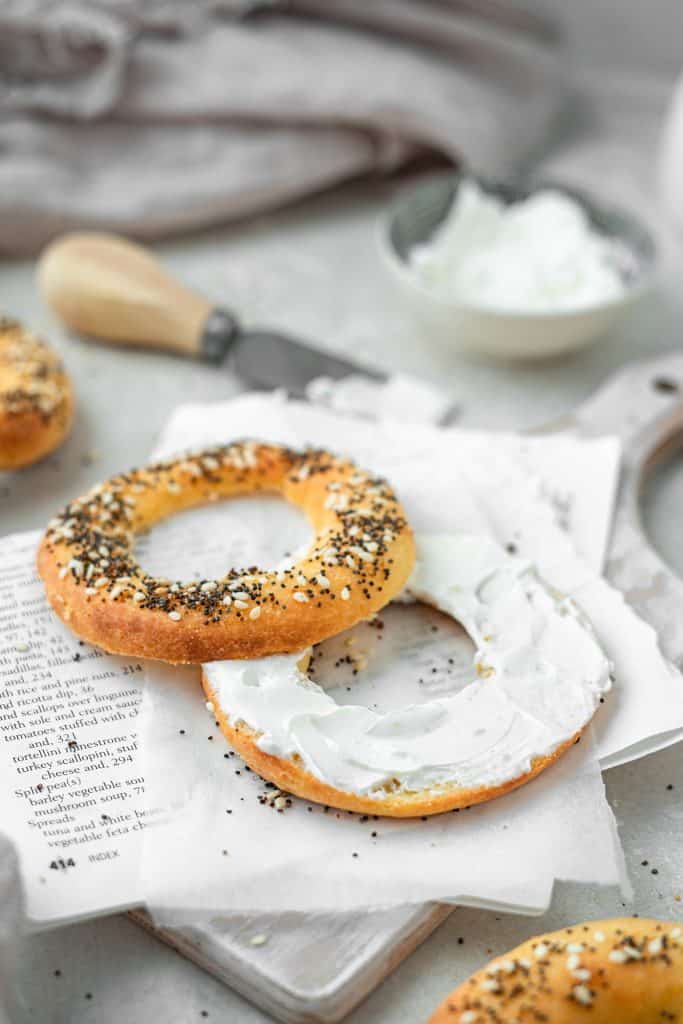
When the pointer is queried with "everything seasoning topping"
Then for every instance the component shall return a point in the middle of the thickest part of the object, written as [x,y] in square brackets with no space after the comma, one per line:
[34,376]
[94,536]
[588,968]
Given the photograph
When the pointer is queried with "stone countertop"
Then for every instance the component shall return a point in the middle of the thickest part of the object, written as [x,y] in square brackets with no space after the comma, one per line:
[314,270]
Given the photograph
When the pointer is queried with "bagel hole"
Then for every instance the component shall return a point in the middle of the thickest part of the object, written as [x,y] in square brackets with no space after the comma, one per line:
[408,654]
[205,542]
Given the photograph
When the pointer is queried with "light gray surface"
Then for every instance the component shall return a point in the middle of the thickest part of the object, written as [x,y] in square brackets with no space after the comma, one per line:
[315,271]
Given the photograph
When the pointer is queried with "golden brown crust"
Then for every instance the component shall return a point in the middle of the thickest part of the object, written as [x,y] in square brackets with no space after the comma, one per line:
[290,775]
[622,971]
[36,398]
[360,559]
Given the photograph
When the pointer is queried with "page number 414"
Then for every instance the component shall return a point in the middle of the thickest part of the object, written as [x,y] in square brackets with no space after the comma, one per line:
[62,865]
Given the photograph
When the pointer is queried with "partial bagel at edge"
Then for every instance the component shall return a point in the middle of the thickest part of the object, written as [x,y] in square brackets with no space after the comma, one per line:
[622,971]
[36,397]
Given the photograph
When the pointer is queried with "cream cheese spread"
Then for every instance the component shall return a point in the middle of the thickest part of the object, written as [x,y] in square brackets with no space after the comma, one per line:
[538,677]
[537,255]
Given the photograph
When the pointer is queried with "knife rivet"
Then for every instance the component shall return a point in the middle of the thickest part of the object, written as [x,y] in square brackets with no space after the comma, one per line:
[220,330]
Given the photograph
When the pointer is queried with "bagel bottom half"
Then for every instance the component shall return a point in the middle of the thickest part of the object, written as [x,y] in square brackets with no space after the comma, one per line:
[290,775]
[622,971]
[538,676]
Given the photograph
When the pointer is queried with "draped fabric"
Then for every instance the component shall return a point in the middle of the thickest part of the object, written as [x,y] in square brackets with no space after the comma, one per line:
[152,117]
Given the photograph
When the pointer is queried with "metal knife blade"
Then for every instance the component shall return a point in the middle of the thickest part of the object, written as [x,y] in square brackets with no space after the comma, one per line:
[264,359]
[269,359]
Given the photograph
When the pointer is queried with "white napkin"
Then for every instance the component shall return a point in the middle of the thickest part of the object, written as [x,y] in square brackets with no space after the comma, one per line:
[506,853]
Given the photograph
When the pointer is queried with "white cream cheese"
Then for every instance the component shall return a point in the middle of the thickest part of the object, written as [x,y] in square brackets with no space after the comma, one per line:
[539,674]
[537,255]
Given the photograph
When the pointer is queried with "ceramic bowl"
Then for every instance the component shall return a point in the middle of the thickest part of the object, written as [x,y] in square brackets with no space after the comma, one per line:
[508,334]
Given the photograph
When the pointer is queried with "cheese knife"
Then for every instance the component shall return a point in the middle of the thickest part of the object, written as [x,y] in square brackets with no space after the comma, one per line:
[110,289]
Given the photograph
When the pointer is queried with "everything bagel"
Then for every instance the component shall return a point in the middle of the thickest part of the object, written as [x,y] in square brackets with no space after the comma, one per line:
[360,558]
[623,971]
[36,399]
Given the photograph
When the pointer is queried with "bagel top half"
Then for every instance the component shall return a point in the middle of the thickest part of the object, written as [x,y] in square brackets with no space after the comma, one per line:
[360,558]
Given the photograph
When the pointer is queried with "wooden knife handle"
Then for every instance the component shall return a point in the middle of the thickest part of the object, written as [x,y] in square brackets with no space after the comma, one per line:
[109,288]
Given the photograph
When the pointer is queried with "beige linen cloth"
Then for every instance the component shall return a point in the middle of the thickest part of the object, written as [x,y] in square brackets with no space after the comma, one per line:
[155,117]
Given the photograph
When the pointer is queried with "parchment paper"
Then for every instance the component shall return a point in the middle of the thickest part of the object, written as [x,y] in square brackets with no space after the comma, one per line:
[218,848]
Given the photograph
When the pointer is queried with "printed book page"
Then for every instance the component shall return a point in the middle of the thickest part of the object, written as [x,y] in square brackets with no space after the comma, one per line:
[73,793]
[73,797]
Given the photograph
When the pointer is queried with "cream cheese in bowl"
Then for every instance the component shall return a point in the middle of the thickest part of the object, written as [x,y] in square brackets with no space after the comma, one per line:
[496,270]
[540,253]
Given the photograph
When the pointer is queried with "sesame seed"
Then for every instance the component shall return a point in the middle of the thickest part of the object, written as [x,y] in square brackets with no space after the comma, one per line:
[582,994]
[298,596]
[241,605]
[575,947]
[468,1017]
[361,553]
[323,581]
[541,950]
[208,587]
[599,936]
[258,940]
[255,612]
[138,596]
[175,616]
[345,594]
[209,706]
[582,974]
[655,946]
[573,962]
[617,956]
